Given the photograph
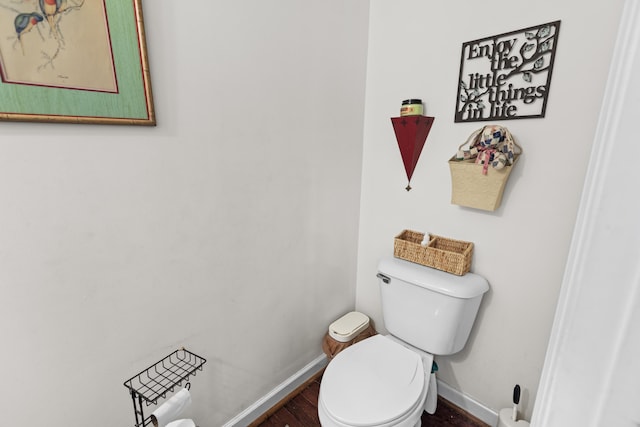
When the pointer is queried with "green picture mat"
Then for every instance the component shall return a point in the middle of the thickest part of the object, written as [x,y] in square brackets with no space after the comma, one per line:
[129,103]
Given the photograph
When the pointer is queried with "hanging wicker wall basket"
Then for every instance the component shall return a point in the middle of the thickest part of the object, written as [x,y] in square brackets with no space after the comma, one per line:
[469,187]
[478,179]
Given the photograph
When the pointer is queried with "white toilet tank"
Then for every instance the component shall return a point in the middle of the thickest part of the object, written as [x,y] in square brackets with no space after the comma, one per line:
[427,308]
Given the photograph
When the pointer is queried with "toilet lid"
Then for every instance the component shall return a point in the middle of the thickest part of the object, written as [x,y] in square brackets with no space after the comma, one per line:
[373,382]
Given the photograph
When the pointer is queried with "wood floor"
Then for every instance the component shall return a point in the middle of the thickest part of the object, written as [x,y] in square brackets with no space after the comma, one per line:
[301,410]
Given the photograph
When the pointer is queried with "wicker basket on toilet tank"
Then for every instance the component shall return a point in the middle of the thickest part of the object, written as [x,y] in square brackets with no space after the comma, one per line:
[442,253]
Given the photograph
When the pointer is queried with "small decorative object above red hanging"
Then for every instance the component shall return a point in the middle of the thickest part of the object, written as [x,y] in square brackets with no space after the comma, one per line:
[411,133]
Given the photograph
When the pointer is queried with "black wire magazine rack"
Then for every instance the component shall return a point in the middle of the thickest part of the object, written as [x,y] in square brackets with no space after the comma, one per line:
[162,377]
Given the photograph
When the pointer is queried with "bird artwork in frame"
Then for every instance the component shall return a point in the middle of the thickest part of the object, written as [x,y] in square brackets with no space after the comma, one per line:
[76,61]
[55,54]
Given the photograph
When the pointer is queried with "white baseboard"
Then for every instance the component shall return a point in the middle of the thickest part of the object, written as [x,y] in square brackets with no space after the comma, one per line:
[465,402]
[272,398]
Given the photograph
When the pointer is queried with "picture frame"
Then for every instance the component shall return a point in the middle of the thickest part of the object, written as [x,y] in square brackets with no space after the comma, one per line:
[74,61]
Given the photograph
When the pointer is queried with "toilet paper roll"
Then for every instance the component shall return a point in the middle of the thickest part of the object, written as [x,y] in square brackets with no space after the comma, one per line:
[171,409]
[182,423]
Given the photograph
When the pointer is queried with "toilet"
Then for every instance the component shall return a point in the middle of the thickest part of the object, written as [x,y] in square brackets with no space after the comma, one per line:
[386,380]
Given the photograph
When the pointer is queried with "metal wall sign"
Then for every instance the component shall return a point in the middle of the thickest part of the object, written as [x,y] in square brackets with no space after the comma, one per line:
[507,76]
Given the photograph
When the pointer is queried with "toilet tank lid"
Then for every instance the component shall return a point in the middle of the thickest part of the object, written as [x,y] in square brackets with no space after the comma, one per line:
[467,286]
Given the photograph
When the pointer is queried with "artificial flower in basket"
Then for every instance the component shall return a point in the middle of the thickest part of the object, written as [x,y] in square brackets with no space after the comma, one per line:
[491,145]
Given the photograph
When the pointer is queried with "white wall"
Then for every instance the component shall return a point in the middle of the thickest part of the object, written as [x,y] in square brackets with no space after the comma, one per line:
[602,269]
[414,51]
[230,228]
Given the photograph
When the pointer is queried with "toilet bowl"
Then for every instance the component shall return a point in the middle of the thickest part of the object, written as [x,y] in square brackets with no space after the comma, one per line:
[386,381]
[378,382]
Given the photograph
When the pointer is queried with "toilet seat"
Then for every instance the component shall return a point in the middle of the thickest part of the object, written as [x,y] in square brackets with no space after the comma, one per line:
[375,382]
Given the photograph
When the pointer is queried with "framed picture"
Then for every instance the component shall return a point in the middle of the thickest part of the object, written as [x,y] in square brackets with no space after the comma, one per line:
[74,61]
[507,76]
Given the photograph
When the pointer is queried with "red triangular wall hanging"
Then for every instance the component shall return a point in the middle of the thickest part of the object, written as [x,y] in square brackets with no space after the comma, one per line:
[411,133]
